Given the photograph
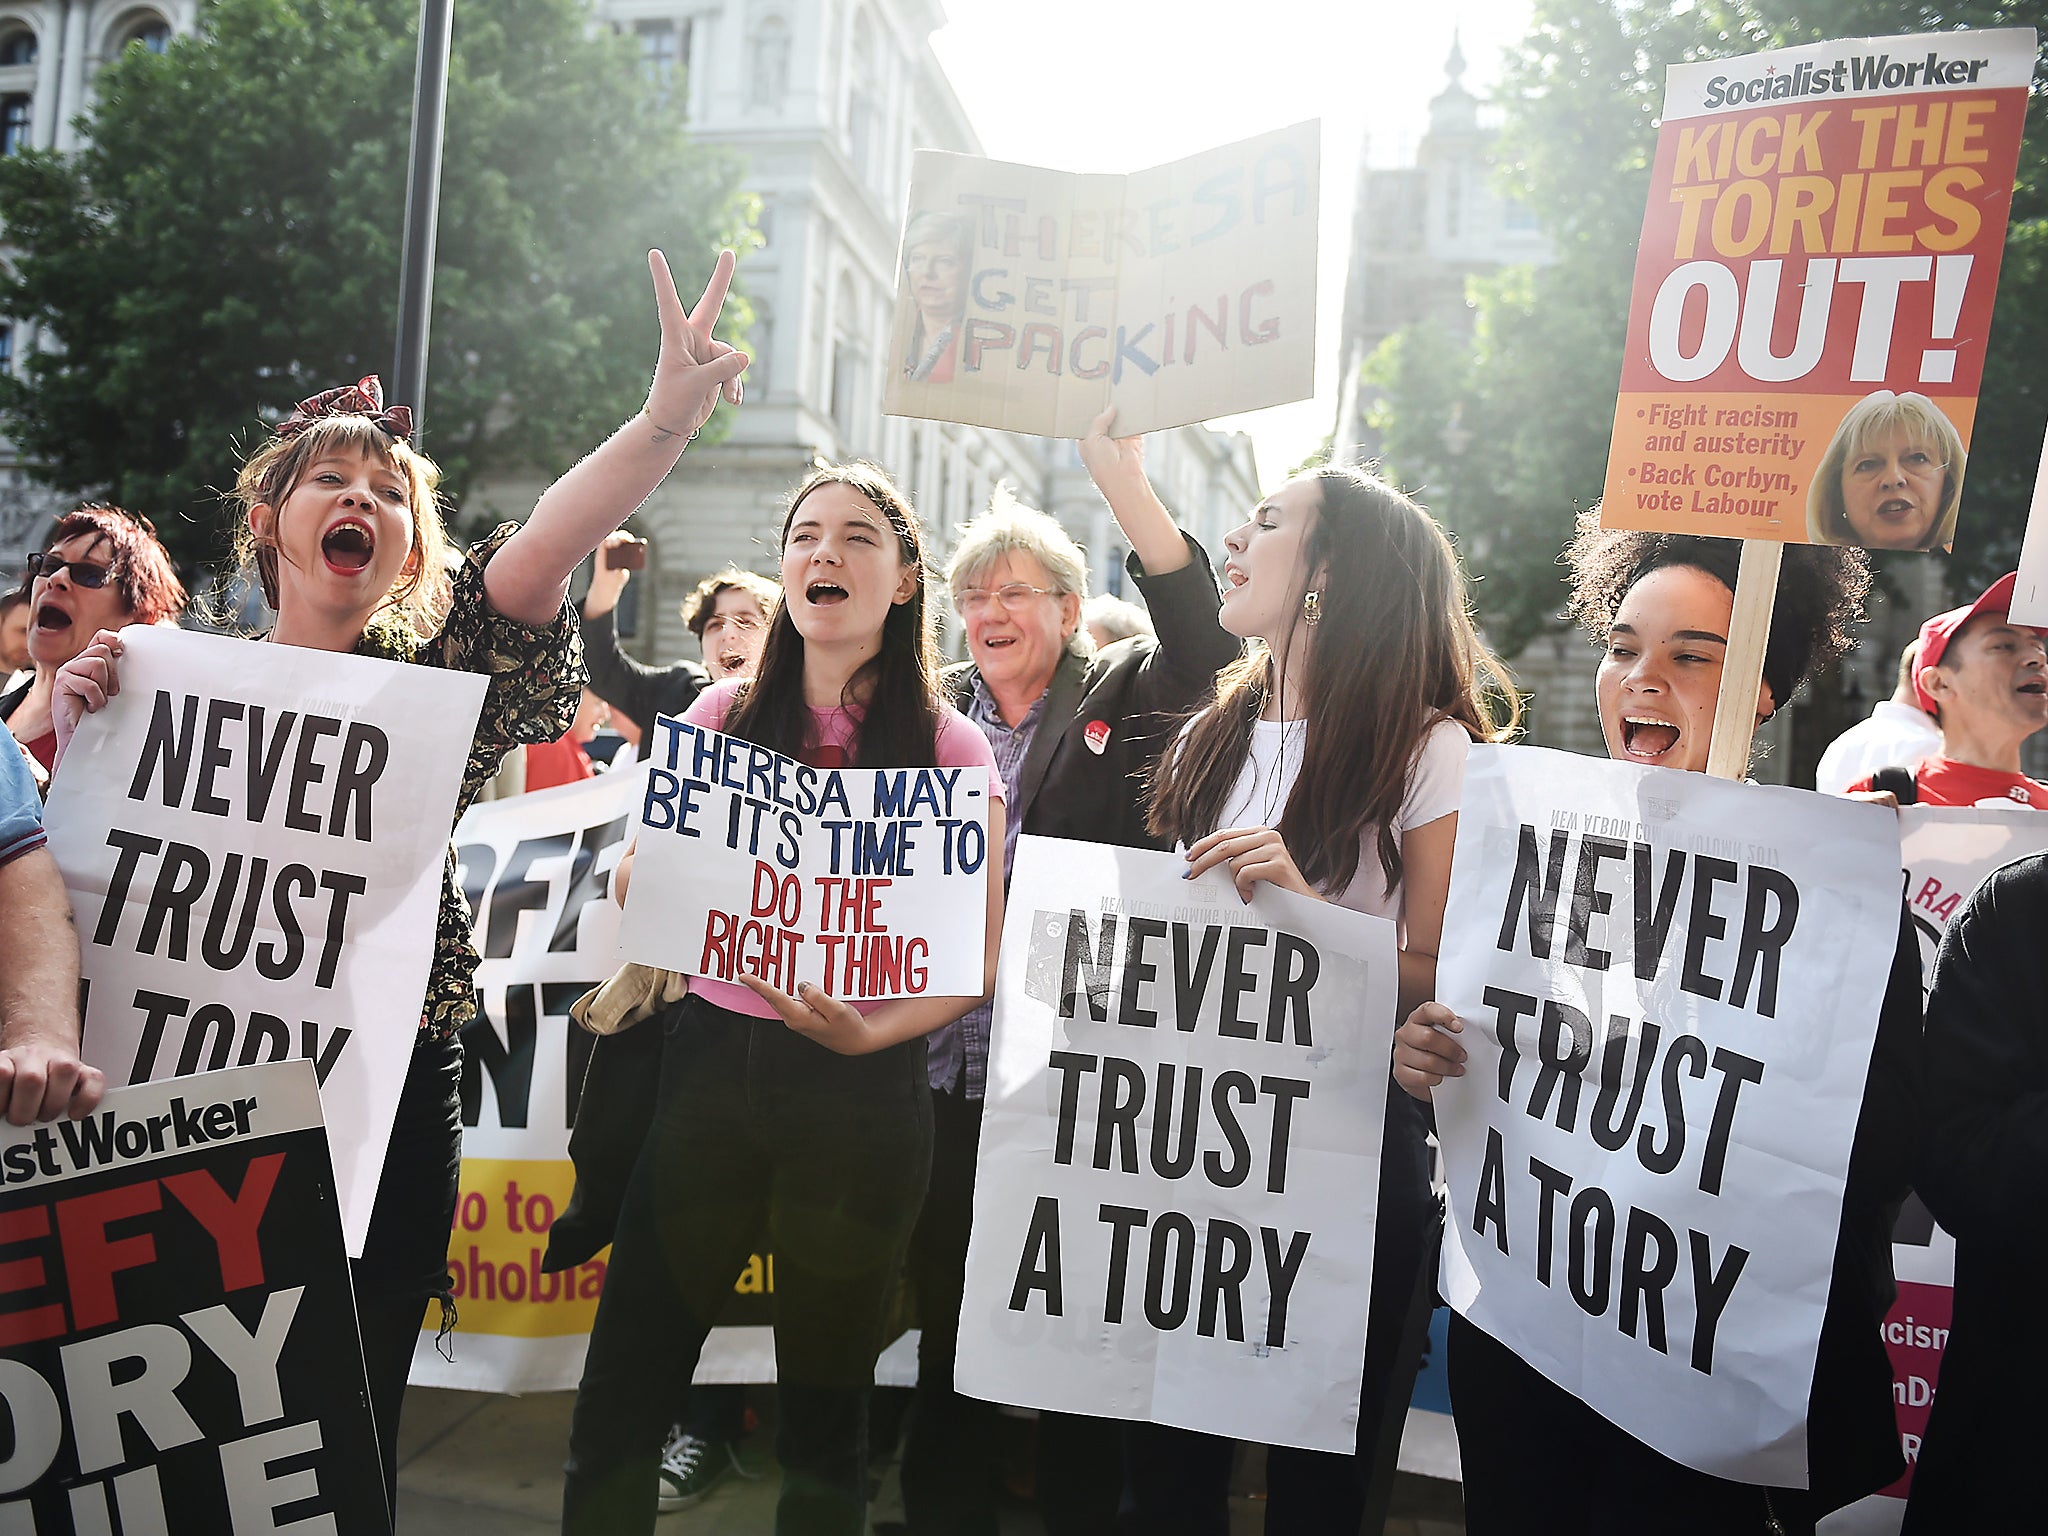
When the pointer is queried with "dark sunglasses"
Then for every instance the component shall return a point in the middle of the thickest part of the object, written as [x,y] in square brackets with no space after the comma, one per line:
[83,572]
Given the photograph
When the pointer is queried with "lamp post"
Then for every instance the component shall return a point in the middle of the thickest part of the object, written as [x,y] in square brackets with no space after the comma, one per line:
[422,209]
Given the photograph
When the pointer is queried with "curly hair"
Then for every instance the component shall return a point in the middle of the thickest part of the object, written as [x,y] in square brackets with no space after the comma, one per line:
[1820,590]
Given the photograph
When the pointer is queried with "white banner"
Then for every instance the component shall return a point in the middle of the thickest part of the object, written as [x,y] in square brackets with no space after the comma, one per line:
[1948,851]
[1670,986]
[253,838]
[1176,1199]
[865,882]
[537,871]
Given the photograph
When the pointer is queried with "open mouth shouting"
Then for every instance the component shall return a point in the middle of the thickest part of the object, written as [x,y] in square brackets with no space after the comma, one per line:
[825,594]
[731,663]
[52,618]
[348,546]
[1646,739]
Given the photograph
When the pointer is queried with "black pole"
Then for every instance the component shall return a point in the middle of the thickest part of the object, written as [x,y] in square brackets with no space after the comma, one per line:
[422,210]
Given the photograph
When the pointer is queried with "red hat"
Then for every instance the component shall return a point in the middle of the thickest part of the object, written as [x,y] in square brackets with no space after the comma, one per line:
[1936,633]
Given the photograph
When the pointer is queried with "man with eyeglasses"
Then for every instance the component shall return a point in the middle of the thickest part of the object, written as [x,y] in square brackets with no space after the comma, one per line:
[728,612]
[1075,731]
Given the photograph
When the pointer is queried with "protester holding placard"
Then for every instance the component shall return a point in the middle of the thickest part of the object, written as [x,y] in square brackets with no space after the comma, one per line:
[41,1076]
[1329,762]
[1075,731]
[1984,679]
[1535,1458]
[342,527]
[807,1116]
[1984,1174]
[101,568]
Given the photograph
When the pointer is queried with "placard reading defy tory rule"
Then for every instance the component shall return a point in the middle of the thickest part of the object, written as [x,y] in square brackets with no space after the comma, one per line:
[1670,987]
[178,1355]
[868,883]
[253,838]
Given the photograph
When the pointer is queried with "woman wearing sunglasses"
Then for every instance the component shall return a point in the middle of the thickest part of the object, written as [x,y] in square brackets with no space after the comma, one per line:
[102,568]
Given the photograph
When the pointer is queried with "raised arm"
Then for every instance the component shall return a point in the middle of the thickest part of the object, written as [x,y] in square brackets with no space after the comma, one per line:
[1117,466]
[526,580]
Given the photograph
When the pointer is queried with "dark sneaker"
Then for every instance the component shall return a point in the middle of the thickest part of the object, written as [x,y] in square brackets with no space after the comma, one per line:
[691,1468]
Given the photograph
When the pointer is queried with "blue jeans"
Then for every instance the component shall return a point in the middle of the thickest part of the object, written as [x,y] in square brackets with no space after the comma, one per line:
[757,1132]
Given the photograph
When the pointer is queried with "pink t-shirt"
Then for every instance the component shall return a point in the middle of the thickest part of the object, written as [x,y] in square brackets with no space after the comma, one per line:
[959,745]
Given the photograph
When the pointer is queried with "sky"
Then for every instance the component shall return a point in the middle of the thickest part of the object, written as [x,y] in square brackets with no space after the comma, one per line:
[1119,85]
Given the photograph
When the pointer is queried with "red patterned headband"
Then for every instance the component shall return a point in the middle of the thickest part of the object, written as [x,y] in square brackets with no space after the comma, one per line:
[365,397]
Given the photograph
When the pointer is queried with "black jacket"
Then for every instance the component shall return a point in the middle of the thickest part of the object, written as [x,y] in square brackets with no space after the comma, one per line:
[634,689]
[1130,697]
[1984,1174]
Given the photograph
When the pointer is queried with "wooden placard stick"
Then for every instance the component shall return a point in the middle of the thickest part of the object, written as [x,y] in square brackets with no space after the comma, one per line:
[1742,672]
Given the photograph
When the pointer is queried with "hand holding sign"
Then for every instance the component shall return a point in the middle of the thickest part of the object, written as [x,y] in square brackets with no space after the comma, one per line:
[1424,1052]
[836,1025]
[84,684]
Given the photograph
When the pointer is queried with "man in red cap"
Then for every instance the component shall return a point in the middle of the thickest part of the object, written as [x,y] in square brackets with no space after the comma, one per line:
[1985,681]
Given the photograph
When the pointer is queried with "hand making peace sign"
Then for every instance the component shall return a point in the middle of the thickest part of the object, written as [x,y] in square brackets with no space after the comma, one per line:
[694,368]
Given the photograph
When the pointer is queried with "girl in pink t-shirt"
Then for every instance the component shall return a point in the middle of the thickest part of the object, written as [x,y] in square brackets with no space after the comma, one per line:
[796,1119]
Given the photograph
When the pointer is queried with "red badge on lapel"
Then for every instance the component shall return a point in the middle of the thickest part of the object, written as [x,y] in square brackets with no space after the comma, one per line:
[1097,736]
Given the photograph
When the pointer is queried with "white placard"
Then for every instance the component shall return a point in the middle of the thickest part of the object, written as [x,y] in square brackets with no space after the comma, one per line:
[2030,591]
[253,838]
[1029,299]
[868,883]
[1176,1199]
[1670,986]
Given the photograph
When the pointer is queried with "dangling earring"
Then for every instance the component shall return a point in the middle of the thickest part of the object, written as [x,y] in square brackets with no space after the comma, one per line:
[1312,608]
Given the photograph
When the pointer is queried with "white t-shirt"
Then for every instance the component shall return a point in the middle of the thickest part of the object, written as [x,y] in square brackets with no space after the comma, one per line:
[1259,798]
[1895,736]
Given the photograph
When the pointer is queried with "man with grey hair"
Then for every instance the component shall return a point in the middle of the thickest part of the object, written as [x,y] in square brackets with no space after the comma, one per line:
[1075,732]
[1110,619]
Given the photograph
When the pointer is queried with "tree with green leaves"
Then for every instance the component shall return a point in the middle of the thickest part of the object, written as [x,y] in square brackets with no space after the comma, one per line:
[1535,386]
[227,241]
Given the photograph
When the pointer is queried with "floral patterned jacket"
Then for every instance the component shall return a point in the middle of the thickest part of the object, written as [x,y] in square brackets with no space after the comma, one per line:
[536,679]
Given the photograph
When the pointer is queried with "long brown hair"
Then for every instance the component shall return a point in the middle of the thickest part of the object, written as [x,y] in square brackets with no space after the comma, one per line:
[899,723]
[1393,652]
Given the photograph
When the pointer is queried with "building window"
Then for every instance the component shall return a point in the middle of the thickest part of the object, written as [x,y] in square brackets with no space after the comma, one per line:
[761,345]
[768,64]
[6,349]
[152,32]
[664,53]
[16,112]
[17,49]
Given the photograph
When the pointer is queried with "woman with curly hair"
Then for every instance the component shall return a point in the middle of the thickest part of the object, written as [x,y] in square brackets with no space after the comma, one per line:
[1536,1459]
